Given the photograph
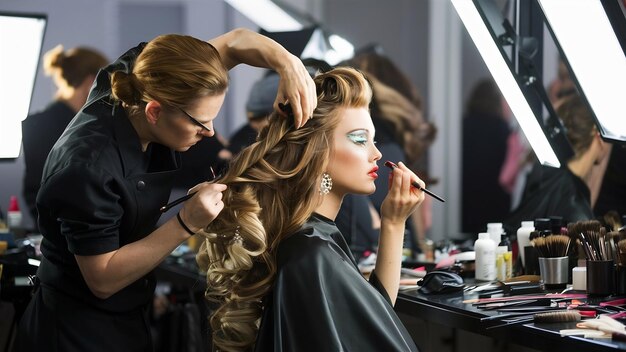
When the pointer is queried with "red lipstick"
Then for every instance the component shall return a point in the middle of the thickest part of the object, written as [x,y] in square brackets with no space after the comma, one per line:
[373,173]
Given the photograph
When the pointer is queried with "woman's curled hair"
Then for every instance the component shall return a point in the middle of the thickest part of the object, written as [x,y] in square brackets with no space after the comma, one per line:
[272,191]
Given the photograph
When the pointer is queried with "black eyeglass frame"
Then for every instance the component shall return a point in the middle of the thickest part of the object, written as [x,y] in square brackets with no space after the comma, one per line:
[195,121]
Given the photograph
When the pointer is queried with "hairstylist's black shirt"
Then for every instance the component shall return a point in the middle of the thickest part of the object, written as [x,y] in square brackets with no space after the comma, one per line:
[39,133]
[100,192]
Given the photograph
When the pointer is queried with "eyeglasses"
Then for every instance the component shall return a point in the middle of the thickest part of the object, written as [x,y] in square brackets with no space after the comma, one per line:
[196,122]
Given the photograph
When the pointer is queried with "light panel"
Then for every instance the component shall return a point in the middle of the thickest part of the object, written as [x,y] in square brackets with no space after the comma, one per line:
[597,61]
[266,15]
[21,38]
[506,81]
[341,50]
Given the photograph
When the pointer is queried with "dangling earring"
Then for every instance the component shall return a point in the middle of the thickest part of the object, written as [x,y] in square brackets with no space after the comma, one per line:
[326,185]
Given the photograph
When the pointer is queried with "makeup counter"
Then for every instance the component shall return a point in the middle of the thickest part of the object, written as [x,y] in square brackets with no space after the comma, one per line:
[426,316]
[437,322]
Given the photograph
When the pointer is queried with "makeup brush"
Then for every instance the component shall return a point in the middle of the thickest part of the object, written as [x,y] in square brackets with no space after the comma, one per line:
[612,239]
[621,247]
[562,316]
[552,246]
[392,166]
[592,238]
[174,203]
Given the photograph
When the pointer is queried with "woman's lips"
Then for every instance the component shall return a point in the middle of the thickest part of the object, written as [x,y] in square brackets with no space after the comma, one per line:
[373,173]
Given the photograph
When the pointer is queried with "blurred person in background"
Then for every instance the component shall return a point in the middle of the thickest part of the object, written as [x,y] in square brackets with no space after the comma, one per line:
[73,72]
[564,191]
[485,138]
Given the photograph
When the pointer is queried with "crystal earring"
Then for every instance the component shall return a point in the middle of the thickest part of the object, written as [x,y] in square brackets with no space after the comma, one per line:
[326,185]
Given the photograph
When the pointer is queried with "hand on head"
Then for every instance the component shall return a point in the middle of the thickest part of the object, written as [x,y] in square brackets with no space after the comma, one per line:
[201,209]
[297,88]
[402,199]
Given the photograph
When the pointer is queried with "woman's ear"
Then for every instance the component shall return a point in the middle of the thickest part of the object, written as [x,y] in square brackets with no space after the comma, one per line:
[153,111]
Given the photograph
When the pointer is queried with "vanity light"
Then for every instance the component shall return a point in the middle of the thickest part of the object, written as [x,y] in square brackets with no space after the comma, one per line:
[266,15]
[21,38]
[509,84]
[587,41]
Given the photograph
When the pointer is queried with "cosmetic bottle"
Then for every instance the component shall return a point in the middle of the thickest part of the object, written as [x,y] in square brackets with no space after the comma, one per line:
[504,249]
[531,256]
[494,229]
[556,222]
[14,215]
[523,238]
[543,226]
[579,276]
[485,250]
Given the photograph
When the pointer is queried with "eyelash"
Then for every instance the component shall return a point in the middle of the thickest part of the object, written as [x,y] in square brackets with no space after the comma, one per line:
[361,142]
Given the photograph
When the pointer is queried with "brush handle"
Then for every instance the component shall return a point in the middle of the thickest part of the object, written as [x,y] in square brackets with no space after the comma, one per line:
[168,206]
[392,166]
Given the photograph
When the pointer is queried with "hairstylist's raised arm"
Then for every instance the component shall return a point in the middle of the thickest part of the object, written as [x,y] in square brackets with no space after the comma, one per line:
[296,86]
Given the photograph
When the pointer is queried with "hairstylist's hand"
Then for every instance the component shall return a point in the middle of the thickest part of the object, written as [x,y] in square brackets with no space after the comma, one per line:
[402,199]
[297,88]
[204,206]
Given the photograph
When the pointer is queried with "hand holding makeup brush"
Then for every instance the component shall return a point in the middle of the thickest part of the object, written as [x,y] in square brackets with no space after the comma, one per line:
[403,197]
[401,201]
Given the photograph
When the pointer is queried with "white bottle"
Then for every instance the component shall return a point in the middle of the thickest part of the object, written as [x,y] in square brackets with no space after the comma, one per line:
[485,250]
[579,276]
[495,231]
[523,238]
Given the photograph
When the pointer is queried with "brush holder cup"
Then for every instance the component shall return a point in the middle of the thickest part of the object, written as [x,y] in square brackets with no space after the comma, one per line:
[554,271]
[600,277]
[620,280]
[532,265]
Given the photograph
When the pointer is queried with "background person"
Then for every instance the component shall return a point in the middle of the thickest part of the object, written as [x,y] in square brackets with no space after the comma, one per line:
[73,72]
[563,191]
[485,142]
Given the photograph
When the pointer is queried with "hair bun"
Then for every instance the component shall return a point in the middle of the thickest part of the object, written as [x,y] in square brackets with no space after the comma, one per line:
[124,87]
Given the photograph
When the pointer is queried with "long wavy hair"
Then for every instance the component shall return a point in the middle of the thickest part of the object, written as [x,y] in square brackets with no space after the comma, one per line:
[272,191]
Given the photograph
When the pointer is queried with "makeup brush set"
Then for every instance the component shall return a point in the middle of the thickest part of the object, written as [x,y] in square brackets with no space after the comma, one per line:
[556,308]
[605,254]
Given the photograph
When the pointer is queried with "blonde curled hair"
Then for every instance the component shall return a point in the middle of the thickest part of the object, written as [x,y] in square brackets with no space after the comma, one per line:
[272,191]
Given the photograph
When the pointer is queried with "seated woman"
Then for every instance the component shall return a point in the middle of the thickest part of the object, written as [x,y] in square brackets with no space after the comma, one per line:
[276,263]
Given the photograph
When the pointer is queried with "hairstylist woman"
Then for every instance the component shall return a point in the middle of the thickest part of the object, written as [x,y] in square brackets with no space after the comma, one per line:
[111,171]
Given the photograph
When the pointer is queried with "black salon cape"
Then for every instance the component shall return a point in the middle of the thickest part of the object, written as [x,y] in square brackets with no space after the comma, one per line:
[321,302]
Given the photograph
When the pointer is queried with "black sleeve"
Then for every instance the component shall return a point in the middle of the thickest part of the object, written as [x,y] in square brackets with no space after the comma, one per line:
[85,201]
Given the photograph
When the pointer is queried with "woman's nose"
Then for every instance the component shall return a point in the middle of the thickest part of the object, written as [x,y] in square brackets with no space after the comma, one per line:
[377,154]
